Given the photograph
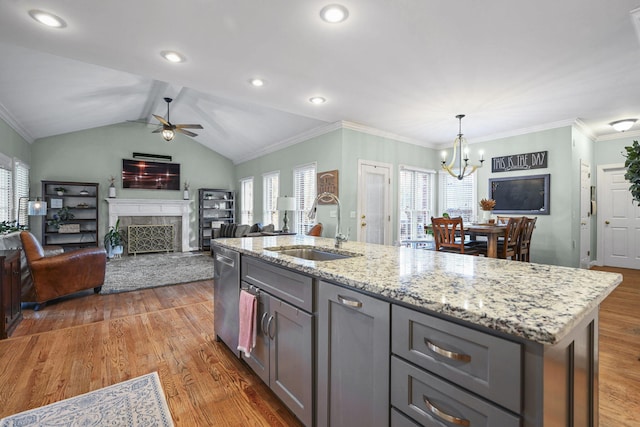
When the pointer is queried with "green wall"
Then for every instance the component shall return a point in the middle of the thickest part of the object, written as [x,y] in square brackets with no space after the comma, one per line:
[96,154]
[13,145]
[552,238]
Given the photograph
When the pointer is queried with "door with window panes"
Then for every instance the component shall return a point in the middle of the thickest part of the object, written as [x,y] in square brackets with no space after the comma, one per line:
[415,203]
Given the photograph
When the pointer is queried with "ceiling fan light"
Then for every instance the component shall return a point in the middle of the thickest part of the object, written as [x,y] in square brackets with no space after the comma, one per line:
[48,19]
[172,56]
[623,125]
[168,134]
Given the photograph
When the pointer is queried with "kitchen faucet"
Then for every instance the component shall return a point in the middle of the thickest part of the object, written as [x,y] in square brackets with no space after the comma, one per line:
[312,215]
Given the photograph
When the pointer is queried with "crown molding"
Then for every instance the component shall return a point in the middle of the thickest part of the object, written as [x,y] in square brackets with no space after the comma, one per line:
[522,131]
[384,134]
[301,137]
[618,135]
[585,129]
[15,125]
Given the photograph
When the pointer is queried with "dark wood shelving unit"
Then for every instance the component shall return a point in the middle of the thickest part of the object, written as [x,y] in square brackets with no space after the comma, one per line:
[82,200]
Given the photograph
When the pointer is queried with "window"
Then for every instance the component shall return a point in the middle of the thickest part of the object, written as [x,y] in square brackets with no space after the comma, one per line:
[270,193]
[416,191]
[5,193]
[458,197]
[246,200]
[21,189]
[304,183]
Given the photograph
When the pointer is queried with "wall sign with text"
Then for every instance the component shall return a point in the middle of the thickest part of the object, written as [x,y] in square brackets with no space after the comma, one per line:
[519,162]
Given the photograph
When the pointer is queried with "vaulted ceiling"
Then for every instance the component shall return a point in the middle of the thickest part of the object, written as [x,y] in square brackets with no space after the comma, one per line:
[402,67]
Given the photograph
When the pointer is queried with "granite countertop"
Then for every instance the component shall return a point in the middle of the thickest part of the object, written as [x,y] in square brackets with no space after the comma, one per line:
[538,302]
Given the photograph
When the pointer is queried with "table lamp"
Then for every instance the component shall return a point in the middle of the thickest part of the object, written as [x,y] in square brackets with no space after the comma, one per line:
[286,204]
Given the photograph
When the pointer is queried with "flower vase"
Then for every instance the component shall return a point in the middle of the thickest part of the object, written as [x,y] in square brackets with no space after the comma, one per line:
[485,216]
[112,192]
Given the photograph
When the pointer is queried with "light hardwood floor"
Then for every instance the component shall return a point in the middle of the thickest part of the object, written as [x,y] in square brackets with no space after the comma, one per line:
[88,342]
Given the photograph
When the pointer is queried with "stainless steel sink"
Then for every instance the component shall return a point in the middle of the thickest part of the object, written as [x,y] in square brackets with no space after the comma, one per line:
[312,253]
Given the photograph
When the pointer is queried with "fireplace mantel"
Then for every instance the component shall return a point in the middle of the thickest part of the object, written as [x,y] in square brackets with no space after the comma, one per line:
[152,207]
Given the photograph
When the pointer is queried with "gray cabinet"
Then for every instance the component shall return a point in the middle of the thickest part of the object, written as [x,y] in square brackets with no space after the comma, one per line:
[434,402]
[353,358]
[284,353]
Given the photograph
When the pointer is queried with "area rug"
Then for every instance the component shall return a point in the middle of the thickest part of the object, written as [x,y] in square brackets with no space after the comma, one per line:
[137,402]
[141,271]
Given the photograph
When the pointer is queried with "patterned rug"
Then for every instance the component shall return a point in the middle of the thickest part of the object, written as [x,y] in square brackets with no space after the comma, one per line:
[137,402]
[131,273]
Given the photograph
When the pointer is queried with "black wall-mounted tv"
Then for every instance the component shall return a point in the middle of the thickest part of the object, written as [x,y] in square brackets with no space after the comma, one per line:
[521,194]
[149,175]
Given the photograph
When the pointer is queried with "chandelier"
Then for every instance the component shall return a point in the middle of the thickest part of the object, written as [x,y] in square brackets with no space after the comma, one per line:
[460,147]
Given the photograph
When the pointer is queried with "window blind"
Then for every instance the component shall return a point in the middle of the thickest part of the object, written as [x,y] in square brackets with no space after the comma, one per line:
[304,182]
[21,191]
[5,194]
[458,197]
[246,200]
[270,193]
[416,201]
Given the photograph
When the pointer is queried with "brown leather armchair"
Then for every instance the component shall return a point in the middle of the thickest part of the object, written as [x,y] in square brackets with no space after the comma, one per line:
[63,274]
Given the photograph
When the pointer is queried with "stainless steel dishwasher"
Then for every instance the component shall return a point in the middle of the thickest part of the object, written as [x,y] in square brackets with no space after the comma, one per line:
[226,296]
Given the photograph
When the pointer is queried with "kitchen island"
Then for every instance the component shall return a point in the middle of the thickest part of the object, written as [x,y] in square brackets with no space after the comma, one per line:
[525,335]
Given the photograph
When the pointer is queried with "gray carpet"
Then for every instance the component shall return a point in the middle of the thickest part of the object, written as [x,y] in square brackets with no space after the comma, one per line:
[131,273]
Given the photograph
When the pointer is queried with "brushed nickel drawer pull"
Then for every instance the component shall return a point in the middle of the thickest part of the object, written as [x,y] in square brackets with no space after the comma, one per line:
[443,415]
[349,302]
[269,327]
[264,331]
[446,353]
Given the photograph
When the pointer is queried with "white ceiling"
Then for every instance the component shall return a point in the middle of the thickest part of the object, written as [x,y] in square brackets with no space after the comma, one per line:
[405,67]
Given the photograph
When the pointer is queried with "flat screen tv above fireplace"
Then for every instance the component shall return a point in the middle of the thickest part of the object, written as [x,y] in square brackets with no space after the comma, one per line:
[150,175]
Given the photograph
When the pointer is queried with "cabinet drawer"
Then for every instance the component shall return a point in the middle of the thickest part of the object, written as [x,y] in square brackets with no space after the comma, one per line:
[398,419]
[434,402]
[294,288]
[487,365]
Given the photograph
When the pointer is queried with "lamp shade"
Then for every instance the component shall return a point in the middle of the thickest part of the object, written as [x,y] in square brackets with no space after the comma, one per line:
[286,203]
[37,208]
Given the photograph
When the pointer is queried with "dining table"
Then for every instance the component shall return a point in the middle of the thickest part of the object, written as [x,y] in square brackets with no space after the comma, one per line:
[491,231]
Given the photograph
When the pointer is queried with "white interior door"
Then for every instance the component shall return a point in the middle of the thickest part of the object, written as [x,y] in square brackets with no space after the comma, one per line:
[374,211]
[618,218]
[585,215]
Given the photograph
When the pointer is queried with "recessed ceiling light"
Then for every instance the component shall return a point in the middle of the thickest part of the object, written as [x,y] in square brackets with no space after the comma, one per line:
[172,56]
[334,13]
[623,125]
[48,19]
[257,82]
[317,100]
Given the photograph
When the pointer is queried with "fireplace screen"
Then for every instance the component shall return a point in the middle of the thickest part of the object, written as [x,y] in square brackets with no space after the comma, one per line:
[150,175]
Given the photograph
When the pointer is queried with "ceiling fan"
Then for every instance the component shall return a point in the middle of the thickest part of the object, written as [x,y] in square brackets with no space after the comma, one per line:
[168,130]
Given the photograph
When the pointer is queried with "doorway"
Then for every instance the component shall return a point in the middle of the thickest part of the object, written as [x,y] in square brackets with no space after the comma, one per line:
[618,219]
[585,215]
[374,210]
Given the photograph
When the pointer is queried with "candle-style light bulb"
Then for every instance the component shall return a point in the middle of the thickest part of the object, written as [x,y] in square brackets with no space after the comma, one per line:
[481,155]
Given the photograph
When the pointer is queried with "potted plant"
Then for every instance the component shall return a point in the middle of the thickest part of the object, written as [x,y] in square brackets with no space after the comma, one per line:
[114,241]
[487,206]
[60,190]
[61,218]
[633,170]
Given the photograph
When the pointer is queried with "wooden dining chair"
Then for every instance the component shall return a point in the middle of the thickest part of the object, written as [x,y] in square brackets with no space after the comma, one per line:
[449,236]
[524,240]
[508,248]
[502,220]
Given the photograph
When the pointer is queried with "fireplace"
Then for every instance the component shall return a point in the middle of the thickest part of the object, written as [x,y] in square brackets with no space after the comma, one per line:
[155,209]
